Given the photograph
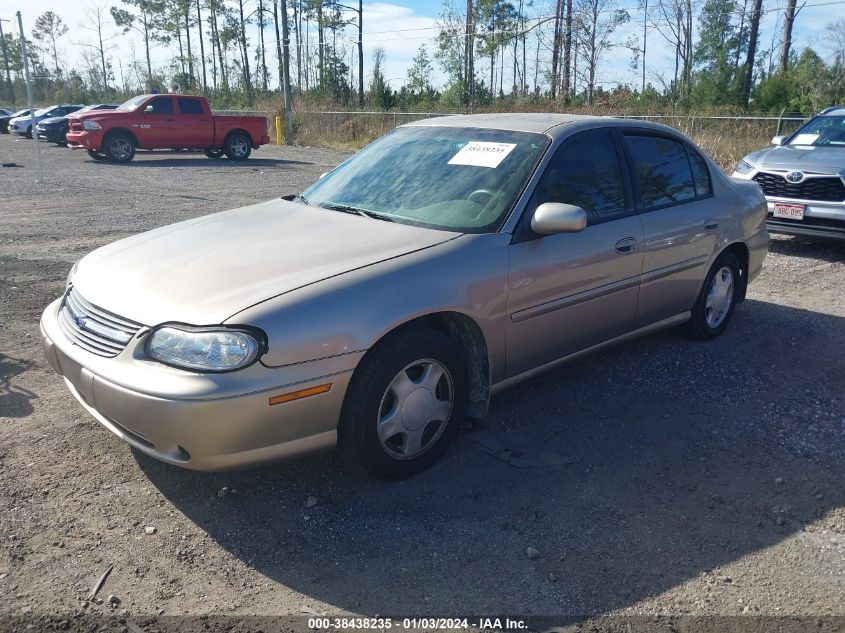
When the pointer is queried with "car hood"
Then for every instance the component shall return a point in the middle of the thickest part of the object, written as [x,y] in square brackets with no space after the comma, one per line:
[205,270]
[53,120]
[825,160]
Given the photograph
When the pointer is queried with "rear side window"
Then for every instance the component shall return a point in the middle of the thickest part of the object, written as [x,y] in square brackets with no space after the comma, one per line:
[164,105]
[585,171]
[662,169]
[700,173]
[189,106]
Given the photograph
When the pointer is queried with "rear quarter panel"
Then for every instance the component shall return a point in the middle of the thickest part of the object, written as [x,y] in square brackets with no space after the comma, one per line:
[255,126]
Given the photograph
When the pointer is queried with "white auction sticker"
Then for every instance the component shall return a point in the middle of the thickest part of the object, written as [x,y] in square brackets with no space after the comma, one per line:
[805,139]
[481,154]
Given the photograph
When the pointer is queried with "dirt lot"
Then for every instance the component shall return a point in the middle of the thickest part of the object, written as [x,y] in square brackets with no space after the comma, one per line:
[699,479]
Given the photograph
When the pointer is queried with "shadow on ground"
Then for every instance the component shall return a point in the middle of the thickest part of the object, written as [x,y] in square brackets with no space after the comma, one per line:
[188,160]
[684,457]
[15,402]
[828,250]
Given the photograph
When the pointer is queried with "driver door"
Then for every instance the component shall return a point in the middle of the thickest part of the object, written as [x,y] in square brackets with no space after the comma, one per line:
[570,291]
[156,123]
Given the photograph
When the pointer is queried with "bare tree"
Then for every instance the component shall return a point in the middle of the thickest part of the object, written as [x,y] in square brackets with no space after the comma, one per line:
[789,15]
[753,33]
[597,20]
[95,22]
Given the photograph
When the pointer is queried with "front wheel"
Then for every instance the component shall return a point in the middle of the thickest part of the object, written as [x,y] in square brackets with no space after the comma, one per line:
[119,148]
[237,146]
[719,294]
[404,404]
[213,153]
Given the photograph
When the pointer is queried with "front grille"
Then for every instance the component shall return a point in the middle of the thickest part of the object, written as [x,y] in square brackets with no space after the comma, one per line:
[94,329]
[826,188]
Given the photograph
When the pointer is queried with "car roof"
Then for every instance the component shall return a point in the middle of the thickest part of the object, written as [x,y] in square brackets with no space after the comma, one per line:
[833,111]
[551,123]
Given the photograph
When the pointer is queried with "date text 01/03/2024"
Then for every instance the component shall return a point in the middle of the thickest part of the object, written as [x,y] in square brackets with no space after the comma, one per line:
[385,623]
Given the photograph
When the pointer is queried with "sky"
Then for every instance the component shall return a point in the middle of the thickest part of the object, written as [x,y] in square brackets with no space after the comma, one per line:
[400,27]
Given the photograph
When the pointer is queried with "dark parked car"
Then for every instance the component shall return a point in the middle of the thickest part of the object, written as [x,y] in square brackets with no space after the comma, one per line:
[22,125]
[4,120]
[55,128]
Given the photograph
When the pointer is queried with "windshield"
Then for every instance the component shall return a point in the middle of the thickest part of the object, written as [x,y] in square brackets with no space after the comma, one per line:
[454,179]
[133,103]
[21,113]
[823,131]
[44,111]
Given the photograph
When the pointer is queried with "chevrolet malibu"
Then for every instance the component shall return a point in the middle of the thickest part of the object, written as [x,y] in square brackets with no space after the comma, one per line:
[446,261]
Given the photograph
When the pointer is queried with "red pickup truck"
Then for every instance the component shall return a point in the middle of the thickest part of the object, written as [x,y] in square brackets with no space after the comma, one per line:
[165,122]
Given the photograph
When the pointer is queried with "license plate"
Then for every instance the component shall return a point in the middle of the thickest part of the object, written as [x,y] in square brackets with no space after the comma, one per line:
[790,211]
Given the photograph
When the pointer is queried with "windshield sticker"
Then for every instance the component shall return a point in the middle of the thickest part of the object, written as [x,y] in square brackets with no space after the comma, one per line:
[482,154]
[805,139]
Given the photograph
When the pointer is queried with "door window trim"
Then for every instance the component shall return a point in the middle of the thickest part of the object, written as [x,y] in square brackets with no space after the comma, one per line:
[623,132]
[523,232]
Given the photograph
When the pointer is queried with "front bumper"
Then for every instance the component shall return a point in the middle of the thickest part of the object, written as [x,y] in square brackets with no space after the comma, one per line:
[203,428]
[52,134]
[84,139]
[821,219]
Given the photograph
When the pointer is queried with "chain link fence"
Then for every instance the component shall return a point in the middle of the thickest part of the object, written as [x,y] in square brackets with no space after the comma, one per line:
[725,138]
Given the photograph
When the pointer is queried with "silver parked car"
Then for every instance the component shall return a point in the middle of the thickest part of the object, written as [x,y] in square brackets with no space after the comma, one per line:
[803,177]
[449,259]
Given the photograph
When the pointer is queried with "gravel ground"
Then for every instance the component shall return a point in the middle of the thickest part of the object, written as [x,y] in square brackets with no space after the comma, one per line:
[691,479]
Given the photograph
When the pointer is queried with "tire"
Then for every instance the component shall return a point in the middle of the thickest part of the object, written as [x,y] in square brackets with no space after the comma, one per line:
[28,132]
[237,146]
[96,155]
[119,147]
[379,430]
[213,153]
[718,297]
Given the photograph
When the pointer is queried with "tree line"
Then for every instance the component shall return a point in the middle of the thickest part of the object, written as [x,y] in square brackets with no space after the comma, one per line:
[493,53]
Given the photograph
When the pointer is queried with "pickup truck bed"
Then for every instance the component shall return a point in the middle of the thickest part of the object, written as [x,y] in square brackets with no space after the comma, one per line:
[165,122]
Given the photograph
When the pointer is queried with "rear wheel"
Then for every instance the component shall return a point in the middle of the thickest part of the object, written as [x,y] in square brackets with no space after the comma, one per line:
[213,153]
[237,146]
[119,148]
[405,404]
[96,155]
[717,300]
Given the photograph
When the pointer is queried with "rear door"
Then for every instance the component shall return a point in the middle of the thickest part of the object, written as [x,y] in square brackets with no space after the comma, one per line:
[156,124]
[195,125]
[571,291]
[673,188]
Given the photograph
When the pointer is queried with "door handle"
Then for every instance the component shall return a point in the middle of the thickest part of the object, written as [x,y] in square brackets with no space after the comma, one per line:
[711,225]
[626,245]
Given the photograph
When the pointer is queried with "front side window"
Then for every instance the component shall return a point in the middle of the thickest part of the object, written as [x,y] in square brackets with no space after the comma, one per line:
[662,169]
[163,105]
[449,178]
[585,171]
[823,131]
[189,106]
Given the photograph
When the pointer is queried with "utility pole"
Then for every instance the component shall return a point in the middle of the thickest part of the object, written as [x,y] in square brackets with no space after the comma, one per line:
[6,62]
[40,178]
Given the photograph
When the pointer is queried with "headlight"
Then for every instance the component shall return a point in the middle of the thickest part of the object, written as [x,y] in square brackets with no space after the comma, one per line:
[91,125]
[204,349]
[743,167]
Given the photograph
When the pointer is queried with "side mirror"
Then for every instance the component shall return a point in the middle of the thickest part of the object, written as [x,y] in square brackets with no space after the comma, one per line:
[148,109]
[553,217]
[778,140]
